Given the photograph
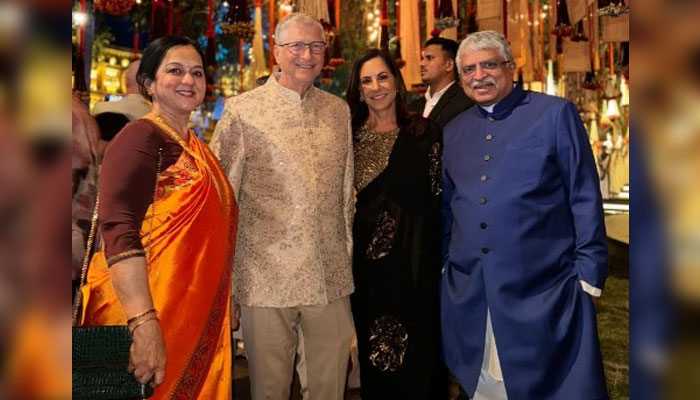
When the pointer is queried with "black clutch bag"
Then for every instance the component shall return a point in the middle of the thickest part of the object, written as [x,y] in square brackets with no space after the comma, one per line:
[101,353]
[100,359]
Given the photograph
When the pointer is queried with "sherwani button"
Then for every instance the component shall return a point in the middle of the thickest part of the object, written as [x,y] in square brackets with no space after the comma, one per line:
[482,200]
[483,225]
[485,250]
[489,136]
[487,157]
[484,178]
[491,119]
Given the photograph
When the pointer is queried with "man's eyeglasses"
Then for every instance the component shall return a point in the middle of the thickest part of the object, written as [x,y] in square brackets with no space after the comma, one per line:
[297,48]
[488,65]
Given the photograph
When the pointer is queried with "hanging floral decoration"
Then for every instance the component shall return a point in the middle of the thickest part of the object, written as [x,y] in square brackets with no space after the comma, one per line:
[446,18]
[114,7]
[563,26]
[614,9]
[237,21]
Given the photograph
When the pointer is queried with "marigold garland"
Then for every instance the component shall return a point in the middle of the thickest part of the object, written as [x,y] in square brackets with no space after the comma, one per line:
[114,7]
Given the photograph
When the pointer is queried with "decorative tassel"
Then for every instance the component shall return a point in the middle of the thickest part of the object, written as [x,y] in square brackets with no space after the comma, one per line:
[398,58]
[135,44]
[471,20]
[521,81]
[210,53]
[170,16]
[625,90]
[159,17]
[384,23]
[211,35]
[590,82]
[580,35]
[178,21]
[604,120]
[551,85]
[337,55]
[257,64]
[80,83]
[613,111]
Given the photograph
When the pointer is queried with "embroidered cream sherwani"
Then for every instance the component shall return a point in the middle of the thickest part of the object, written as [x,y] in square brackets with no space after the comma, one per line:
[290,163]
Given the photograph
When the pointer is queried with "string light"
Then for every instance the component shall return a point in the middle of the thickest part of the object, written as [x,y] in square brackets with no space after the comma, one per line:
[80,18]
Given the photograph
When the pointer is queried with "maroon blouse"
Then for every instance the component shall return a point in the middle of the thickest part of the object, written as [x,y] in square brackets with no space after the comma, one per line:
[127,185]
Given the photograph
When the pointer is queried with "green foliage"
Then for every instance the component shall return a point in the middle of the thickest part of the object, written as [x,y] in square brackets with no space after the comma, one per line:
[103,38]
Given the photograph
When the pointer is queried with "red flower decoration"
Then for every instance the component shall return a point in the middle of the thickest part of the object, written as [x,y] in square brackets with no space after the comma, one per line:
[114,7]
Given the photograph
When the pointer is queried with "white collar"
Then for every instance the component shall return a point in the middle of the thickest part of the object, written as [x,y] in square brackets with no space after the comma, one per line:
[439,94]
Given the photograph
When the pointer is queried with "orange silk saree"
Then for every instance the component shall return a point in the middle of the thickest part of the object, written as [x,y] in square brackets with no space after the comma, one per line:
[189,235]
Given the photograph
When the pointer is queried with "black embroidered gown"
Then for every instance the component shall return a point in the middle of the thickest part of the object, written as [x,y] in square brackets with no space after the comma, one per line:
[396,264]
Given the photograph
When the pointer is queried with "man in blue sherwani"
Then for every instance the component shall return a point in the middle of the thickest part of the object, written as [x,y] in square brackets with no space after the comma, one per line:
[523,238]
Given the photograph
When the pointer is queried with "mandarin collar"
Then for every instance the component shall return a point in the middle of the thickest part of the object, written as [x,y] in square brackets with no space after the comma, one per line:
[286,93]
[504,107]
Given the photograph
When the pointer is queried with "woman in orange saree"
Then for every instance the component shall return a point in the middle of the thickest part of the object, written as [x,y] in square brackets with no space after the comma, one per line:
[178,259]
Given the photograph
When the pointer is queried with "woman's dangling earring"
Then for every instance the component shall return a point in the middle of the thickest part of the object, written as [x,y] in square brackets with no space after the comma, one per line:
[362,99]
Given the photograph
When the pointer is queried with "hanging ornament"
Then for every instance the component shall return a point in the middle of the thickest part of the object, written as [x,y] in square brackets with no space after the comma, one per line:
[520,81]
[237,23]
[79,81]
[384,27]
[471,20]
[159,17]
[336,55]
[445,18]
[114,7]
[613,8]
[329,36]
[551,85]
[257,63]
[398,58]
[210,53]
[563,26]
[590,82]
[211,36]
[613,111]
[593,136]
[604,120]
[580,34]
[625,90]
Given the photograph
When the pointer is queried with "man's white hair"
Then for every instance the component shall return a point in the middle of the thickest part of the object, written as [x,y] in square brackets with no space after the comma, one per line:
[296,19]
[484,40]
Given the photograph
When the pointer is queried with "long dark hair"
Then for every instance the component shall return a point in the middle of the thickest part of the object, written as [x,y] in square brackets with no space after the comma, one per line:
[153,56]
[407,120]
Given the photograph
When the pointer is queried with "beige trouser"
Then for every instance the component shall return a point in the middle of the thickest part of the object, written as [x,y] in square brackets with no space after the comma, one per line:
[321,336]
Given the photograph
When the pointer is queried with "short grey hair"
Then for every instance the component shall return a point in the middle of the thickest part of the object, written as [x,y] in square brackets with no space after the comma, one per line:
[484,40]
[297,19]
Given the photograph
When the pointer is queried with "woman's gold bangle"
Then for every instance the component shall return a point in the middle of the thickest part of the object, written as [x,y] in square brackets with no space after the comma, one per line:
[141,315]
[133,327]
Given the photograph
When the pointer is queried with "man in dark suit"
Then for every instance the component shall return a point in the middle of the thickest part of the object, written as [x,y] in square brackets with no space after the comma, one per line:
[444,98]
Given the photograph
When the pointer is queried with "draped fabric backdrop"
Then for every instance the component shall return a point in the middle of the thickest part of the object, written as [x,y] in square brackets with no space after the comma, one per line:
[316,8]
[429,16]
[410,42]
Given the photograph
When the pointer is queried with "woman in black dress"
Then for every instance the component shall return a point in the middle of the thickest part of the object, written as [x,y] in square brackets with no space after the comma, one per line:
[397,237]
